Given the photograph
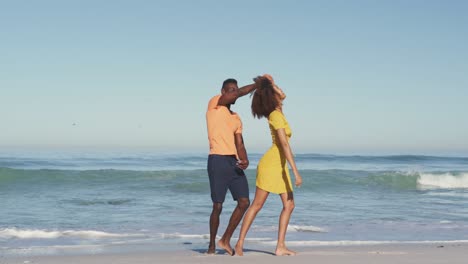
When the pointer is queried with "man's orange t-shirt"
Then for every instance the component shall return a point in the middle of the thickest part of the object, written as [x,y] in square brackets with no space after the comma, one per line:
[222,126]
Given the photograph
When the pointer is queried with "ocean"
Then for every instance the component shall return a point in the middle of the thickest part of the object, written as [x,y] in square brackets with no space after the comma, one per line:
[73,202]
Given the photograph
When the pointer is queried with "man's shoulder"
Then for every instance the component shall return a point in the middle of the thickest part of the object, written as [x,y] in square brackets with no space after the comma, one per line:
[235,115]
[213,103]
[216,97]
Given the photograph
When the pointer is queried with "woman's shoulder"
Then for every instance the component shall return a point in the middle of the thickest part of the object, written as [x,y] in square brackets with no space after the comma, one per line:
[277,120]
[276,114]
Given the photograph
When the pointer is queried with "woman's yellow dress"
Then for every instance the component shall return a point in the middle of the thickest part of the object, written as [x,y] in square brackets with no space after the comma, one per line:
[272,171]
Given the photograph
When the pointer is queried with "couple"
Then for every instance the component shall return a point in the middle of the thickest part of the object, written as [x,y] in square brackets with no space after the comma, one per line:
[228,160]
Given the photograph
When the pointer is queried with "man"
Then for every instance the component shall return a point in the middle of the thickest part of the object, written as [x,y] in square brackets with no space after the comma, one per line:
[227,161]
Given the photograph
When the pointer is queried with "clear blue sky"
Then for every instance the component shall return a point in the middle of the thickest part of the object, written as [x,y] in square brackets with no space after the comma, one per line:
[365,77]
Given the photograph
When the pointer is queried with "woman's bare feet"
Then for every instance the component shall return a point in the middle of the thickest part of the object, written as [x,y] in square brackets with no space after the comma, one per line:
[226,247]
[283,251]
[239,250]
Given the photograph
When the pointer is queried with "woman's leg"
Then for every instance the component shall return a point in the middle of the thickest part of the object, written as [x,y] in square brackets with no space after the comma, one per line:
[288,207]
[257,204]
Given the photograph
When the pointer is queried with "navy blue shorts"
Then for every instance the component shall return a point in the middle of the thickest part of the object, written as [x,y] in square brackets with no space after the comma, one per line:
[224,174]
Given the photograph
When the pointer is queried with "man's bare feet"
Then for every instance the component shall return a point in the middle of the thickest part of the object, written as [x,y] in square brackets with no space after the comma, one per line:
[226,247]
[239,250]
[211,251]
[284,252]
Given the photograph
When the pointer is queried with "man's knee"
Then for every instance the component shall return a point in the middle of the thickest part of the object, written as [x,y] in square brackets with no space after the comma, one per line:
[217,208]
[243,203]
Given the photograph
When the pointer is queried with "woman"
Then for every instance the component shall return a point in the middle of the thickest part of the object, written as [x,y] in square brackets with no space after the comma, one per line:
[272,171]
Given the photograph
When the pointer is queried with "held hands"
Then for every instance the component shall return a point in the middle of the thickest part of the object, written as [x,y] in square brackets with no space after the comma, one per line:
[264,76]
[243,164]
[269,77]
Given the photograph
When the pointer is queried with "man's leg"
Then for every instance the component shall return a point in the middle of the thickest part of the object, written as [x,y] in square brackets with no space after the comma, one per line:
[214,224]
[239,188]
[218,188]
[236,217]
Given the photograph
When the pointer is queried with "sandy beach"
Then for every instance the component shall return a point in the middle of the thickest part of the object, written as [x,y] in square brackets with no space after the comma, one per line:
[398,253]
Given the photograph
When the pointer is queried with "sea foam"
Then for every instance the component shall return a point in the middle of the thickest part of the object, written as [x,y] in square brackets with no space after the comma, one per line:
[362,243]
[45,234]
[445,180]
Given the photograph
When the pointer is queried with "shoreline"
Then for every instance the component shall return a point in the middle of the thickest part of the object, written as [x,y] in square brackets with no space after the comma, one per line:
[453,252]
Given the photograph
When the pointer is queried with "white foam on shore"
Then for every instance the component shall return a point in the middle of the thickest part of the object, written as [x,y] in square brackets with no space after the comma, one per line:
[445,222]
[207,236]
[291,228]
[45,234]
[300,228]
[179,235]
[362,243]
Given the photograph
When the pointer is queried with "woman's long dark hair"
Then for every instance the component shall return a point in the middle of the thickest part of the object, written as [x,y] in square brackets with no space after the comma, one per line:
[264,100]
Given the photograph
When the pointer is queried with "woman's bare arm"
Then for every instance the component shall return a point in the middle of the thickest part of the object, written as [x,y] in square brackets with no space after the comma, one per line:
[276,88]
[286,148]
[280,92]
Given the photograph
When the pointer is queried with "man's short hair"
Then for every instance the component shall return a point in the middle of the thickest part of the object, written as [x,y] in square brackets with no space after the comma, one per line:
[229,81]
